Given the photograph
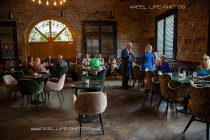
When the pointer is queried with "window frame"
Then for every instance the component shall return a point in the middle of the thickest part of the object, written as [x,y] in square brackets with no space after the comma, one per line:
[50,20]
[99,24]
[164,16]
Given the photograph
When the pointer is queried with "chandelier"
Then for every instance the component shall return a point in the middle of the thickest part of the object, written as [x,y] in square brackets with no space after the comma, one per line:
[50,2]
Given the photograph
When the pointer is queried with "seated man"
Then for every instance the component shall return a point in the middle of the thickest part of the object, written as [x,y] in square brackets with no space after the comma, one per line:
[164,66]
[101,59]
[48,63]
[203,72]
[94,63]
[60,66]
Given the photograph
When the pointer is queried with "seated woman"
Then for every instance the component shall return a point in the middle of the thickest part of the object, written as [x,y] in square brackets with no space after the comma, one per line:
[38,67]
[164,66]
[30,64]
[112,64]
[203,72]
[86,60]
[157,61]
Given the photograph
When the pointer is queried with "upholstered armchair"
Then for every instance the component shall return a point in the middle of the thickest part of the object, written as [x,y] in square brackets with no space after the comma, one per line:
[90,103]
[30,87]
[18,74]
[11,85]
[200,106]
[52,86]
[152,84]
[170,90]
[136,75]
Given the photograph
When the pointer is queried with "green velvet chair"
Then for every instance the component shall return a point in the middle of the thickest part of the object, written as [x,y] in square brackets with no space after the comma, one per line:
[101,75]
[18,74]
[58,73]
[30,87]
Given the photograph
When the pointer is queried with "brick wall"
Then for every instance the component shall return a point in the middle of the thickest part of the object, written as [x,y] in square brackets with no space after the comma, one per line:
[135,25]
[130,23]
[192,27]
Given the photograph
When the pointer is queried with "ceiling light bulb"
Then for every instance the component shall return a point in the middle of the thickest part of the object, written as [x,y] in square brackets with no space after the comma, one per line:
[40,2]
[61,2]
[47,3]
[55,3]
[33,0]
[64,0]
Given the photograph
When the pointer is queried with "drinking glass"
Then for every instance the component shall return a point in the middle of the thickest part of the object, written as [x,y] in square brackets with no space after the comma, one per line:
[184,73]
[194,74]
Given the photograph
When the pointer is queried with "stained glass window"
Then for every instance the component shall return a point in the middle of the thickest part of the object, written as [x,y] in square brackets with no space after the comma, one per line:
[50,31]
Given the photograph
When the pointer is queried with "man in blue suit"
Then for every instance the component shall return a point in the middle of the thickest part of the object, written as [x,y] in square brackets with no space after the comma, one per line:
[127,58]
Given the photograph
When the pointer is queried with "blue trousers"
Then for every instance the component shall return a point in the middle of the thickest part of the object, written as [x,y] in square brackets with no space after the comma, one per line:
[126,74]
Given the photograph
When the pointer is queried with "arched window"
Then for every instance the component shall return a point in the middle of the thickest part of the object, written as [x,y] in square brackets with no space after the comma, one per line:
[50,31]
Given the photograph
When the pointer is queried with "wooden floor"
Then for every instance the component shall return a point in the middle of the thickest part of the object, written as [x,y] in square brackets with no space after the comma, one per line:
[127,117]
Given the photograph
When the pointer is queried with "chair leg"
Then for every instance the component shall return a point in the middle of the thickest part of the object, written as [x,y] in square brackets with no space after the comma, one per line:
[159,102]
[48,94]
[36,96]
[134,82]
[151,98]
[192,119]
[59,97]
[207,131]
[61,94]
[15,95]
[80,124]
[42,95]
[166,111]
[102,126]
[147,92]
[22,99]
[9,96]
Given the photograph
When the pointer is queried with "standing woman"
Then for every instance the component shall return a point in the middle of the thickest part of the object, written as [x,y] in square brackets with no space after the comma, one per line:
[147,59]
[127,57]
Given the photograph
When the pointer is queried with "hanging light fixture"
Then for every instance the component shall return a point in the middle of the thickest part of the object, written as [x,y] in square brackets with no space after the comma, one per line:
[50,2]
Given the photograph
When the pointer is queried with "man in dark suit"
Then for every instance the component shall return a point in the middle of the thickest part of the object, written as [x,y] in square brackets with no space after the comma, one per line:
[127,58]
[49,63]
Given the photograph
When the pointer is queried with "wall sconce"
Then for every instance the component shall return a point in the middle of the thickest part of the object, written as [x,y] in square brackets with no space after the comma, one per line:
[10,15]
[62,14]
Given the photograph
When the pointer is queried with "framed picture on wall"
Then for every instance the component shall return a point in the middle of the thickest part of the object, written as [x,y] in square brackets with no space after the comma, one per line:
[7,46]
[8,40]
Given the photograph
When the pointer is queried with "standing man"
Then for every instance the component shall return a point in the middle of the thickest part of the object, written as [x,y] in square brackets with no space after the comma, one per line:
[127,58]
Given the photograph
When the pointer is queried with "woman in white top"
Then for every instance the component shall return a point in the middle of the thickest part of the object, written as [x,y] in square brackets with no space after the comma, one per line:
[112,64]
[157,61]
[86,60]
[38,67]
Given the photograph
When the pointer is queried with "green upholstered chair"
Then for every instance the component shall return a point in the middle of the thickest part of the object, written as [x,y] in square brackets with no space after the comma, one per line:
[152,84]
[101,75]
[171,90]
[18,74]
[200,106]
[30,87]
[59,72]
